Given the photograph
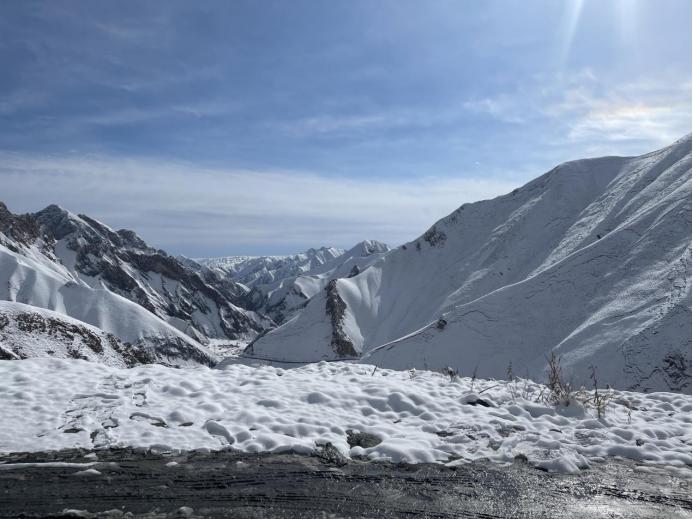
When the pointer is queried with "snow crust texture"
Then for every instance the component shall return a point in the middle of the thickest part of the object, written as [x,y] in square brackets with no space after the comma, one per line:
[418,416]
[591,261]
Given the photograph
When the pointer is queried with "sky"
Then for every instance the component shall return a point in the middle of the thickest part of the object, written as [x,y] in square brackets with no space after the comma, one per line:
[219,128]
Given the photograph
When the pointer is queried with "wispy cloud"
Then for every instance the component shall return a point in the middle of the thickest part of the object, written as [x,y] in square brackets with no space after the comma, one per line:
[179,205]
[585,109]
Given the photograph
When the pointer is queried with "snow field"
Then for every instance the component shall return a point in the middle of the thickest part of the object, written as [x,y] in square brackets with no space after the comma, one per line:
[50,404]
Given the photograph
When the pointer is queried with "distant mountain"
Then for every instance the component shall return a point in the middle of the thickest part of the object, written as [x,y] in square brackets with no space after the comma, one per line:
[254,270]
[592,261]
[284,298]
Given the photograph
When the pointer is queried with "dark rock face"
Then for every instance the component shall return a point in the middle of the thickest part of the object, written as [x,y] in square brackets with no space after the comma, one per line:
[55,218]
[335,307]
[23,229]
[677,370]
[256,301]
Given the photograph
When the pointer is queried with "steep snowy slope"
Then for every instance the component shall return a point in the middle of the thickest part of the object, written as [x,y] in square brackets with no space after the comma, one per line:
[591,259]
[29,332]
[284,298]
[253,270]
[121,262]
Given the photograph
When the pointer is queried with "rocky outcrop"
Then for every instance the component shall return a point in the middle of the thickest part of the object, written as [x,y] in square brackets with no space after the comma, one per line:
[435,237]
[335,308]
[23,231]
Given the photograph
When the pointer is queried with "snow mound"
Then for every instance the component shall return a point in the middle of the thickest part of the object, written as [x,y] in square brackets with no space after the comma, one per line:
[418,416]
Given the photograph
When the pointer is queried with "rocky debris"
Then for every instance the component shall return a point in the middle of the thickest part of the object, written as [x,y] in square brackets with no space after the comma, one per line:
[335,308]
[364,440]
[8,355]
[435,237]
[354,271]
[330,455]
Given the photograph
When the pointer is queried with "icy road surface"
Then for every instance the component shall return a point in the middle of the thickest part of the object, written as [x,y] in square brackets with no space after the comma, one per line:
[120,483]
[420,417]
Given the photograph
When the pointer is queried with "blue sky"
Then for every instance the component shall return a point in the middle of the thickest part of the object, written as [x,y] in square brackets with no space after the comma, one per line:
[267,127]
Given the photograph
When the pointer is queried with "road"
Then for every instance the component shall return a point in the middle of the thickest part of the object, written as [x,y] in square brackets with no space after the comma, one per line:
[230,484]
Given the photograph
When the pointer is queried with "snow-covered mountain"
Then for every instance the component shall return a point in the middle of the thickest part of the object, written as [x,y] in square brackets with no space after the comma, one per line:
[121,262]
[253,270]
[111,280]
[282,299]
[591,260]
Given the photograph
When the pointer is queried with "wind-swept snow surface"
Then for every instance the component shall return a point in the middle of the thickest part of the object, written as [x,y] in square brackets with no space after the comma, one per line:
[408,416]
[591,260]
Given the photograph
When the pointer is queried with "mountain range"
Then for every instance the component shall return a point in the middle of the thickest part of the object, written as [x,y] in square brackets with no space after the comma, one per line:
[590,261]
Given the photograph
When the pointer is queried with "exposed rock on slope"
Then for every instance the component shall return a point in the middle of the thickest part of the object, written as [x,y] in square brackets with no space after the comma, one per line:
[591,259]
[27,332]
[335,308]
